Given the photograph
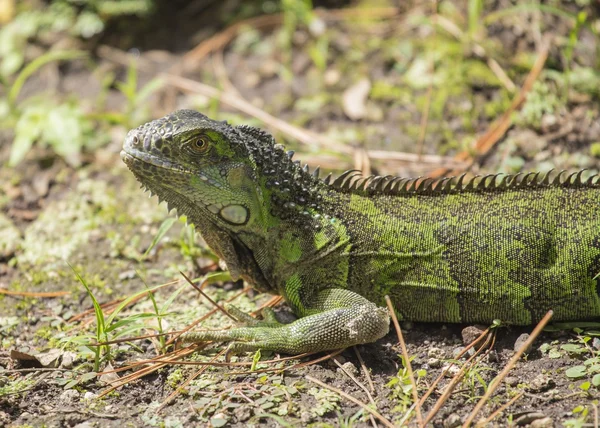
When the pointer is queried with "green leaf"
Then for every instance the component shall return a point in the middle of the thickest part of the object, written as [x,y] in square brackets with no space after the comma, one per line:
[596,380]
[255,360]
[576,372]
[218,422]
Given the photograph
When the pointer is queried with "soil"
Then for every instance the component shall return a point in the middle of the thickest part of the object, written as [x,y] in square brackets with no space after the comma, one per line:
[94,217]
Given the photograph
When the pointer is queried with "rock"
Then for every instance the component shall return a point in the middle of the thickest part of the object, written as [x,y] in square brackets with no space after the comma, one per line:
[354,99]
[242,413]
[436,353]
[332,76]
[528,418]
[452,370]
[434,362]
[541,383]
[89,395]
[9,237]
[549,123]
[86,424]
[470,333]
[511,380]
[521,341]
[4,419]
[493,356]
[452,421]
[350,368]
[542,423]
[69,397]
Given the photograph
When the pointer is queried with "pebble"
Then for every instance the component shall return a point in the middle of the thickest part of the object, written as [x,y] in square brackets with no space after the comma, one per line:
[350,368]
[529,418]
[434,362]
[542,423]
[436,353]
[452,370]
[541,383]
[68,397]
[521,341]
[493,356]
[89,395]
[470,333]
[511,380]
[452,421]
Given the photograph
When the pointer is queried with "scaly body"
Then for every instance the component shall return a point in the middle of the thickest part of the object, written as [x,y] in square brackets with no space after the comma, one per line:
[500,247]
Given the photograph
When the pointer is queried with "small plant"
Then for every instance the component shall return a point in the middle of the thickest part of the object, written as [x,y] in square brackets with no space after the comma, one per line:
[401,388]
[327,401]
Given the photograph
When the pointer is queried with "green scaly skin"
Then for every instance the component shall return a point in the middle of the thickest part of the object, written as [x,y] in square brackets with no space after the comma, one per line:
[499,247]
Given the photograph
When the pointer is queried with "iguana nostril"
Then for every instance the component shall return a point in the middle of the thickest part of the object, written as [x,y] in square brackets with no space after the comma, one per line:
[135,141]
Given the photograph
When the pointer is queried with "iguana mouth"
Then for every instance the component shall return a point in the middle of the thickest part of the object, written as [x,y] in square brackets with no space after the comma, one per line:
[131,156]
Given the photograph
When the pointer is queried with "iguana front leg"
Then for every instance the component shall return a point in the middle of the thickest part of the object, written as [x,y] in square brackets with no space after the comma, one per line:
[336,318]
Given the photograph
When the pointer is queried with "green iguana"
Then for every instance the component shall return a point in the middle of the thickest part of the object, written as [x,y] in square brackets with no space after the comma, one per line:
[447,250]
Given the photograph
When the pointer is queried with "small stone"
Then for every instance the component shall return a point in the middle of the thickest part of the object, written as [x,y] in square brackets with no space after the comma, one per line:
[529,418]
[541,383]
[457,351]
[4,419]
[69,397]
[434,362]
[436,353]
[493,356]
[470,333]
[68,359]
[350,368]
[452,421]
[242,413]
[511,380]
[542,423]
[332,76]
[89,395]
[549,123]
[354,99]
[521,341]
[86,424]
[452,370]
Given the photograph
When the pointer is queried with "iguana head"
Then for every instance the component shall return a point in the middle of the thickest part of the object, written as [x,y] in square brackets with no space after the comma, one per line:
[235,177]
[198,166]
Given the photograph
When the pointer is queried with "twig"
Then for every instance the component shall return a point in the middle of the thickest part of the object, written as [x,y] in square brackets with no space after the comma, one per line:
[411,376]
[471,362]
[498,379]
[463,352]
[186,383]
[303,136]
[364,368]
[499,410]
[360,385]
[32,294]
[383,420]
[199,290]
[205,316]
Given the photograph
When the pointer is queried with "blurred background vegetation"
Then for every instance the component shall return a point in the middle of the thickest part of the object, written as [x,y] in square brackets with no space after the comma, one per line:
[408,88]
[433,74]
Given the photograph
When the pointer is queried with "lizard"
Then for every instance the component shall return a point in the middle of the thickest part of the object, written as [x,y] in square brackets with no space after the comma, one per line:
[452,250]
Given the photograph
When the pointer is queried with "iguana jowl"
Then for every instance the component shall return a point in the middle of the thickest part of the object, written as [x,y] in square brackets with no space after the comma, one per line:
[498,247]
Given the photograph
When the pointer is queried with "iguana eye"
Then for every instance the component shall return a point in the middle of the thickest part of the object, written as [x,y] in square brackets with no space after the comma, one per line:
[200,144]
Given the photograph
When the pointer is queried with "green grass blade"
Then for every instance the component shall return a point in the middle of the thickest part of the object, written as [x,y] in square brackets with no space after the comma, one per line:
[162,230]
[37,63]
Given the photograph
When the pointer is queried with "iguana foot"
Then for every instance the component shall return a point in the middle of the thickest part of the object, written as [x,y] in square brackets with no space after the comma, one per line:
[335,328]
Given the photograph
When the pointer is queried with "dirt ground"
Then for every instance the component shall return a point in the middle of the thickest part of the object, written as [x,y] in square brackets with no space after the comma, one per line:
[362,81]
